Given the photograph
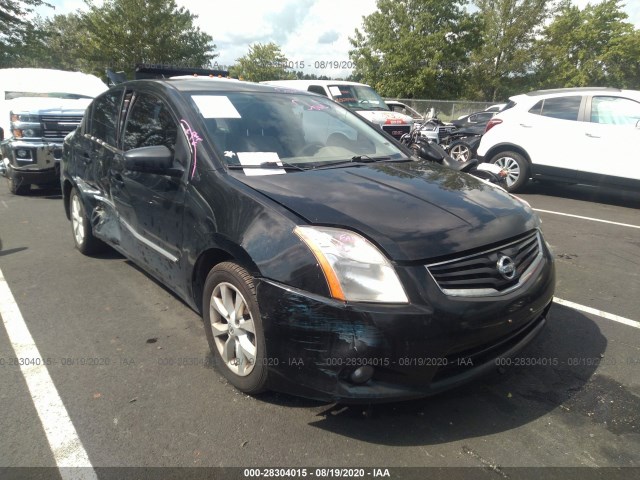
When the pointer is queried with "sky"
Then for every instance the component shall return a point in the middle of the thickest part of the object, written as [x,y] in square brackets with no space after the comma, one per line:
[309,31]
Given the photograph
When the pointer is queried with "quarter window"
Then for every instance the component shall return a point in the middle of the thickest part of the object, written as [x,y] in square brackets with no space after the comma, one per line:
[150,123]
[105,115]
[563,108]
[615,111]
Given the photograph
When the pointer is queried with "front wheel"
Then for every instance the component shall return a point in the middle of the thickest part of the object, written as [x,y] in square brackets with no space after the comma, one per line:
[233,326]
[16,187]
[82,235]
[517,169]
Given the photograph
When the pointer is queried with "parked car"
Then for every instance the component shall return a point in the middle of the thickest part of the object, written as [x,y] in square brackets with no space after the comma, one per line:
[573,135]
[359,98]
[495,108]
[474,122]
[462,142]
[38,107]
[325,259]
[403,108]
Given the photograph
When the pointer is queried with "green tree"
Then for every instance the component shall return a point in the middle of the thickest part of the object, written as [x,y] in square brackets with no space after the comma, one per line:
[56,43]
[123,33]
[590,47]
[501,64]
[415,48]
[16,29]
[262,62]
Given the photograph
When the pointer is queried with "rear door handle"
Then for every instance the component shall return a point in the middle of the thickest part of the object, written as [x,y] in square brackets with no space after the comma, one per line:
[591,135]
[525,125]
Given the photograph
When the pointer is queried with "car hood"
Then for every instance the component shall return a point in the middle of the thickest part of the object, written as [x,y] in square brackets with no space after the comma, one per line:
[48,106]
[380,117]
[413,210]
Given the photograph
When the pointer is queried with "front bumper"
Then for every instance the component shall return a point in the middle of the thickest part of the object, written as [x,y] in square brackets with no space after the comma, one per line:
[315,345]
[32,162]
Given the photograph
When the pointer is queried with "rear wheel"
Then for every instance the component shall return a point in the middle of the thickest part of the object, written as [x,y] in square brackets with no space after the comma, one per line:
[460,151]
[233,326]
[517,169]
[80,227]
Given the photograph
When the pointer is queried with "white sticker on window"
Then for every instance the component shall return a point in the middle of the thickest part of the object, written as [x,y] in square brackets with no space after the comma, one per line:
[335,91]
[215,106]
[253,160]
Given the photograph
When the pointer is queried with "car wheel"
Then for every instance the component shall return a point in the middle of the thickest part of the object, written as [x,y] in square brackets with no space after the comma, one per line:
[460,151]
[80,227]
[517,169]
[18,189]
[233,327]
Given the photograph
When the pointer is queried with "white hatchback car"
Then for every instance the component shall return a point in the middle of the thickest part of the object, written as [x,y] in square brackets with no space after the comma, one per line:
[575,135]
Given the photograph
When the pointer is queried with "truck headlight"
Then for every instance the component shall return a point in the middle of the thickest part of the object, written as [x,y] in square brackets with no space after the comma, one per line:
[354,268]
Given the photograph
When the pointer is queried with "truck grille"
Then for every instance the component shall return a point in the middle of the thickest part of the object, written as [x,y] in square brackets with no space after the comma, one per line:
[445,131]
[56,127]
[492,272]
[396,131]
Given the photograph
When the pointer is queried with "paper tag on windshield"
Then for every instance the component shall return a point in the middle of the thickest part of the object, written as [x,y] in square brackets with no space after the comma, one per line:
[335,91]
[215,106]
[254,159]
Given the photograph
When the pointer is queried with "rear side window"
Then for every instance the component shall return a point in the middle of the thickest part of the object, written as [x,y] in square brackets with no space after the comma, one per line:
[615,111]
[103,123]
[563,108]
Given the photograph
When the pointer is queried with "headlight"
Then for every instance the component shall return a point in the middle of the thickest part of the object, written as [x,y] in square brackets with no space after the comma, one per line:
[355,269]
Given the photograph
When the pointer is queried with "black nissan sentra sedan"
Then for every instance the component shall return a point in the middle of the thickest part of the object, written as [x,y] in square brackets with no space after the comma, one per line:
[326,261]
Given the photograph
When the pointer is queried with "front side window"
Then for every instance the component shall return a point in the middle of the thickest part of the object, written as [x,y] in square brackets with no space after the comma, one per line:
[297,128]
[563,108]
[615,111]
[103,123]
[149,123]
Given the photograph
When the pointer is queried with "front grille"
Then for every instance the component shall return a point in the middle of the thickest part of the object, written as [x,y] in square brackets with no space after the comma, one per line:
[479,274]
[396,131]
[444,131]
[56,127]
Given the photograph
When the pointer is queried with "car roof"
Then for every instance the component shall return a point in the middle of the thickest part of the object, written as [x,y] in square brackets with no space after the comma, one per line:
[307,83]
[557,92]
[209,84]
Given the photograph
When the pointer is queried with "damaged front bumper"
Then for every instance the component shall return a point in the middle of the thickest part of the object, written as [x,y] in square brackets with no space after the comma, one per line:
[365,353]
[36,163]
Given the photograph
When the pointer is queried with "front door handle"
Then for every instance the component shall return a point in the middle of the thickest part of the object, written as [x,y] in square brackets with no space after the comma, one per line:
[591,135]
[525,125]
[116,178]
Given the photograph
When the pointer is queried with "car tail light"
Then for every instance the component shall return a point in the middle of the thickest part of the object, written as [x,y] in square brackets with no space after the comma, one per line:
[492,123]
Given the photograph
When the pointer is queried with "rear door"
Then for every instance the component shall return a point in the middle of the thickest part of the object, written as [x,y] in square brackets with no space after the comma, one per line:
[612,139]
[552,135]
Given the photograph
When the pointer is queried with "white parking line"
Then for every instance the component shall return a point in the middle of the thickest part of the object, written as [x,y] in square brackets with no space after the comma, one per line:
[587,218]
[63,439]
[599,313]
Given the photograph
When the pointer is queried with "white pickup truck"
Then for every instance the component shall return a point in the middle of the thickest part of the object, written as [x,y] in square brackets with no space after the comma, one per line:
[38,108]
[360,98]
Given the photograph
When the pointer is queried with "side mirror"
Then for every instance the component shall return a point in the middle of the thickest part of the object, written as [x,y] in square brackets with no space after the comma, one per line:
[156,159]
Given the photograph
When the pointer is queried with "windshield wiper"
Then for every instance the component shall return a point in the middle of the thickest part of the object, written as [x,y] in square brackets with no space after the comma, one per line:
[268,165]
[354,159]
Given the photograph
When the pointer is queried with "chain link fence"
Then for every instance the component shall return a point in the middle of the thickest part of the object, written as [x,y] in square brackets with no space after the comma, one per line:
[446,110]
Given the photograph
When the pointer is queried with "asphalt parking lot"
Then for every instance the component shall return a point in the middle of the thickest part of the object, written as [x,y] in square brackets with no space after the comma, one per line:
[132,372]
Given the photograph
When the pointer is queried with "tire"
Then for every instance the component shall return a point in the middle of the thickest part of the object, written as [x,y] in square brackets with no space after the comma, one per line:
[18,189]
[236,341]
[80,228]
[460,151]
[517,169]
